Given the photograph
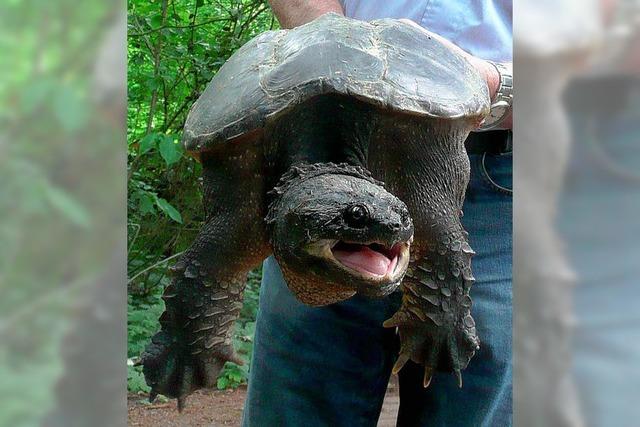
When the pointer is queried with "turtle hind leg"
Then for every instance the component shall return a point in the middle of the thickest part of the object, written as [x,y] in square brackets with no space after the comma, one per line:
[434,322]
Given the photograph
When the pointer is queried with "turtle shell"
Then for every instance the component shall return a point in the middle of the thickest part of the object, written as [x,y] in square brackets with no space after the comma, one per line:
[388,63]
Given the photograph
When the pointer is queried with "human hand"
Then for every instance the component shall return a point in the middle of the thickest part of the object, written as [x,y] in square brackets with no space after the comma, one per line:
[291,14]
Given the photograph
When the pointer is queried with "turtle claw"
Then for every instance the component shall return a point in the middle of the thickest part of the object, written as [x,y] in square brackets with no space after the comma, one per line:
[182,401]
[428,374]
[402,359]
[459,377]
[228,355]
[395,321]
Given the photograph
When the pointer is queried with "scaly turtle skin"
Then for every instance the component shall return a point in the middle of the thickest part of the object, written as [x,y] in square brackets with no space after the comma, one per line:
[296,134]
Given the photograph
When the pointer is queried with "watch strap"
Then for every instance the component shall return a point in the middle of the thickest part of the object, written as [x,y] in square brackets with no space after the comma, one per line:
[503,101]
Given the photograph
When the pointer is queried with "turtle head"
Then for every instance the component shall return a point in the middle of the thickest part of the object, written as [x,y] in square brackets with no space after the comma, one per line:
[336,231]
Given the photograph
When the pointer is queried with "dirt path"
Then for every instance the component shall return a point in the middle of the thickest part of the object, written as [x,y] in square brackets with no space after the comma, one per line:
[221,408]
[204,409]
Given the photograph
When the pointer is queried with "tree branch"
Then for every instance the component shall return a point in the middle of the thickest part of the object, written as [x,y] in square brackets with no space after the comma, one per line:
[151,267]
[153,30]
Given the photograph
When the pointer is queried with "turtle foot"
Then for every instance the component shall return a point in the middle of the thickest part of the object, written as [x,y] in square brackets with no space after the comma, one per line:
[170,369]
[445,348]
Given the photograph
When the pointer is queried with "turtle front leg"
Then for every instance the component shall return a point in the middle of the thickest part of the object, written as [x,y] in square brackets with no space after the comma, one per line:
[205,295]
[202,303]
[434,322]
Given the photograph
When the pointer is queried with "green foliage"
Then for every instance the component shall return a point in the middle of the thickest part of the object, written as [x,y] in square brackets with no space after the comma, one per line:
[135,380]
[142,322]
[174,48]
[233,375]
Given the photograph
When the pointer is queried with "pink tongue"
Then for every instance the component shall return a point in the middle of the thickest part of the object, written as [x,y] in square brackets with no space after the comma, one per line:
[365,260]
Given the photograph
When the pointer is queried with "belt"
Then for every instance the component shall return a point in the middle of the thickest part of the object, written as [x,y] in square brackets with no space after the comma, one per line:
[492,142]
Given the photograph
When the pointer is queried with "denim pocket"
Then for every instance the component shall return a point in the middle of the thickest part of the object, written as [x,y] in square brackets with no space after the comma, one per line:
[496,171]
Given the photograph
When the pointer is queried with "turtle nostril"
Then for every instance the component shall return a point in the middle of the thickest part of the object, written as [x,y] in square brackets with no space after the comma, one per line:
[405,217]
[395,226]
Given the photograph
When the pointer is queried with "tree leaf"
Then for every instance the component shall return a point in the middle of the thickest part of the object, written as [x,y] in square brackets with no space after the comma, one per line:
[148,142]
[146,204]
[169,210]
[156,20]
[170,150]
[223,382]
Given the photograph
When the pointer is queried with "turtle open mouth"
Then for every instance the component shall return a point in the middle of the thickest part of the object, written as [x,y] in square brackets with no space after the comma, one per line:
[370,261]
[374,259]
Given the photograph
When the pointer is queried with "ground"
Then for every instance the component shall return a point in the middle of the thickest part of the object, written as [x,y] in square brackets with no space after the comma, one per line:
[204,408]
[221,408]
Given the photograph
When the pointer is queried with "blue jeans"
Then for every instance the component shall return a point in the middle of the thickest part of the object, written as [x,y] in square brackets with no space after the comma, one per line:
[329,366]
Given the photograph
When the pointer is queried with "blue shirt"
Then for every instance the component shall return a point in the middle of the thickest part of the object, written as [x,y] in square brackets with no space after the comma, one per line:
[481,27]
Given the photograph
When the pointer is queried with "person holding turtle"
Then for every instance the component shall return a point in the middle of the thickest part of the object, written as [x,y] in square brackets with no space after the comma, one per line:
[345,384]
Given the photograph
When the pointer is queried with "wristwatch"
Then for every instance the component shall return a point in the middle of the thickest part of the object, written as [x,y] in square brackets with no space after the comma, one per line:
[501,106]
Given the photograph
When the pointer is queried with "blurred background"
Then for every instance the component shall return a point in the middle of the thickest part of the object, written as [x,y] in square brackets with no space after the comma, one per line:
[88,224]
[577,212]
[62,212]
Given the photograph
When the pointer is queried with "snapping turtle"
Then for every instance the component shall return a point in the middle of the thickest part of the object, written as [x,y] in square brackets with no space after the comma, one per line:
[296,134]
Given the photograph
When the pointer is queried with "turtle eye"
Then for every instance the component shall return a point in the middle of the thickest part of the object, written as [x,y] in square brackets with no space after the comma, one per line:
[357,215]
